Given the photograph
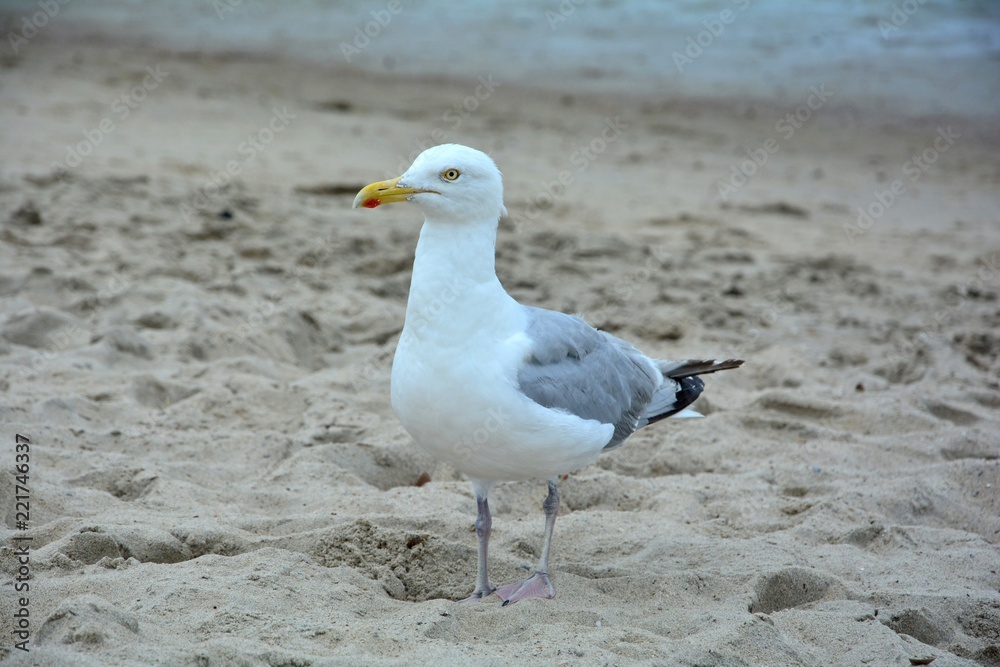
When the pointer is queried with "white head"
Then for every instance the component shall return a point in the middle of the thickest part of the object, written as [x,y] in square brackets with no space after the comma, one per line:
[450,183]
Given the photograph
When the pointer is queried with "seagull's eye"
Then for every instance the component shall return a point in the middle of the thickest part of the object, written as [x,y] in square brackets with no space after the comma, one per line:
[451,174]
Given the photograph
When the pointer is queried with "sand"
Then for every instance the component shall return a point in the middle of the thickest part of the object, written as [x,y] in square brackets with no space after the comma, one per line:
[216,475]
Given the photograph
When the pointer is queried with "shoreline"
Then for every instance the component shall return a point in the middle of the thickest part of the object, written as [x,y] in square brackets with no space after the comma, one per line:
[866,112]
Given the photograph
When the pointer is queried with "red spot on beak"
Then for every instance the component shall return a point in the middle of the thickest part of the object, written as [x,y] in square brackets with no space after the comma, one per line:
[371,203]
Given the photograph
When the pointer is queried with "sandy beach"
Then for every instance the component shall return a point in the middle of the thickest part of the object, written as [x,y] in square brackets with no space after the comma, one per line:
[196,334]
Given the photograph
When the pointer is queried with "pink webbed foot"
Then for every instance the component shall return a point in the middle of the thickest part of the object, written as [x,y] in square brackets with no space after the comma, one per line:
[537,585]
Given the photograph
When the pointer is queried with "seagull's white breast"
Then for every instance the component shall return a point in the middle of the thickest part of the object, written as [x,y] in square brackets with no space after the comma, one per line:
[454,388]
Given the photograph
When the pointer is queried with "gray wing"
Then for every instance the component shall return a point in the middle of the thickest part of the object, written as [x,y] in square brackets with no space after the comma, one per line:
[586,372]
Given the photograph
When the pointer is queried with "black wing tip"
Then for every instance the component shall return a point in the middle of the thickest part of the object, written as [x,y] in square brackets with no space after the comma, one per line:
[677,370]
[724,365]
[690,390]
[691,385]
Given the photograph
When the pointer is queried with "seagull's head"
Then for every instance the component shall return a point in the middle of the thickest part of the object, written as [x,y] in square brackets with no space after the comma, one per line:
[451,183]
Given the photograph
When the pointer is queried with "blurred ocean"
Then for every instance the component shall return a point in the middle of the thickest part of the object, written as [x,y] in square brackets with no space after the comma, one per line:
[906,57]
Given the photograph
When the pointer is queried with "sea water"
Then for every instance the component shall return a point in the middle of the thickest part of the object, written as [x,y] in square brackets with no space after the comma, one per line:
[904,57]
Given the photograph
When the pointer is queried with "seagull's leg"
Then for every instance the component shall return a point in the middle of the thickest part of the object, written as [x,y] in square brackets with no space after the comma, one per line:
[483,524]
[537,585]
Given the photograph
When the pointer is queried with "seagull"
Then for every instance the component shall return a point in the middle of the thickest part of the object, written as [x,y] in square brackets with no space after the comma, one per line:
[499,390]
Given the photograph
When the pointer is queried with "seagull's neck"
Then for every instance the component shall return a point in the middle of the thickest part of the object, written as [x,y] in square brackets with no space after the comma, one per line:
[454,286]
[448,250]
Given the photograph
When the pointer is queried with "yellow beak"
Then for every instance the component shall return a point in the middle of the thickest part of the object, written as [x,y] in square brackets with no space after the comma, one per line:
[384,192]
